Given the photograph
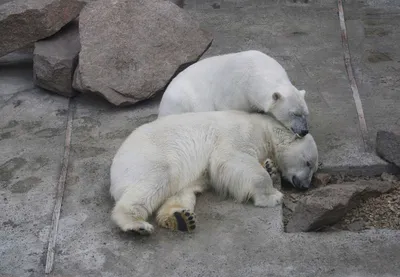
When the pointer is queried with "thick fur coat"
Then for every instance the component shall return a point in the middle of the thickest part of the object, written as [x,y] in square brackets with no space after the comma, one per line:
[162,164]
[247,81]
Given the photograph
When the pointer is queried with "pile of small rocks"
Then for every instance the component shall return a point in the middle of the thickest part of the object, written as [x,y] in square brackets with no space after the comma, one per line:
[349,204]
[382,212]
[125,51]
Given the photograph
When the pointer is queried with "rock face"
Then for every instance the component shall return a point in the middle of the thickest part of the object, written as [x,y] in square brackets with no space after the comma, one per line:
[388,147]
[55,60]
[327,205]
[321,179]
[131,49]
[25,21]
[179,3]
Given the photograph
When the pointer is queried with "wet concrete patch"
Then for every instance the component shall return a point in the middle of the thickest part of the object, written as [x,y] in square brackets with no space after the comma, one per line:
[11,124]
[85,124]
[38,163]
[10,223]
[48,133]
[299,33]
[87,151]
[25,185]
[31,125]
[376,57]
[10,168]
[142,120]
[119,134]
[376,31]
[5,135]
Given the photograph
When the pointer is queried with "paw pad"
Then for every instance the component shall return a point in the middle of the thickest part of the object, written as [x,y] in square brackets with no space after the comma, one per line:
[184,221]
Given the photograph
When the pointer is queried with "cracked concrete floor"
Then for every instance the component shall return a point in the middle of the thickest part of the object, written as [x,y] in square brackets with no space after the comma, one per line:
[231,239]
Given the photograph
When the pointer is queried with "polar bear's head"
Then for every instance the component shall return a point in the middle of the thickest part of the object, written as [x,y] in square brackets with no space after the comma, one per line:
[298,161]
[291,110]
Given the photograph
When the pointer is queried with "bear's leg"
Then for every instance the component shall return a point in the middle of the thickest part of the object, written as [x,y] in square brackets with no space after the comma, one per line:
[131,217]
[139,201]
[244,177]
[177,213]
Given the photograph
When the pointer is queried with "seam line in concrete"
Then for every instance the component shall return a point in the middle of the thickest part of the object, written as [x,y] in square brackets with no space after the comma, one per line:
[60,191]
[353,84]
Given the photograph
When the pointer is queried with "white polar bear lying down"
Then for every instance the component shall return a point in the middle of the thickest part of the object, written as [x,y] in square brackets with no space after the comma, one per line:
[167,161]
[247,81]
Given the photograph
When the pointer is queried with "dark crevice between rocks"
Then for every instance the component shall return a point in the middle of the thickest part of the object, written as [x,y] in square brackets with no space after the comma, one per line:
[181,68]
[343,203]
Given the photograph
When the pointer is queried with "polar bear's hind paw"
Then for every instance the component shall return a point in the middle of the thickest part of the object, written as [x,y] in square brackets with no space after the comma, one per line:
[183,220]
[141,227]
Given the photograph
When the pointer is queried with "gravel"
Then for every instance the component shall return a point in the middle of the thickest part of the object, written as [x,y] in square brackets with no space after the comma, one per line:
[382,212]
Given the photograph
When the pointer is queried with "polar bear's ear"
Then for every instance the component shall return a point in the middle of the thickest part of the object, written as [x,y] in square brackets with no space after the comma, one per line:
[302,92]
[276,96]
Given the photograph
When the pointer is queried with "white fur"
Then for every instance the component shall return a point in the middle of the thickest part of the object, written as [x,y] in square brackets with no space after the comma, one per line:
[168,160]
[246,81]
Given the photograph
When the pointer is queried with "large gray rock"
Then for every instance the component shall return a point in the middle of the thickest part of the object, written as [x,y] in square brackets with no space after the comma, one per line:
[55,60]
[388,147]
[131,49]
[179,3]
[25,21]
[327,205]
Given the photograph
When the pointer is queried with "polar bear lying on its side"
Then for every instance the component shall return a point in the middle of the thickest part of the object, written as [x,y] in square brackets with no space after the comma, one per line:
[247,81]
[165,162]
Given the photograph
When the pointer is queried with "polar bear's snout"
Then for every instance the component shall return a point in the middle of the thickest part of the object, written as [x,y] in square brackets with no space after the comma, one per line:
[300,184]
[300,125]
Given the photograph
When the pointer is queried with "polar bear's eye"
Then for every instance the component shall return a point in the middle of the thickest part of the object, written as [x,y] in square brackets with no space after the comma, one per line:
[308,164]
[295,114]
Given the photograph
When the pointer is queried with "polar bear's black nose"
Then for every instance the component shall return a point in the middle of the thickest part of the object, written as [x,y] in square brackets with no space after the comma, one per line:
[303,133]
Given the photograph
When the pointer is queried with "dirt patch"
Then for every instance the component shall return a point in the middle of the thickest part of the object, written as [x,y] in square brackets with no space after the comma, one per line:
[382,211]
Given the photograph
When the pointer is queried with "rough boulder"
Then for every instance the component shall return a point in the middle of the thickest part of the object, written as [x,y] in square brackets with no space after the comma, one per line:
[55,60]
[130,50]
[23,22]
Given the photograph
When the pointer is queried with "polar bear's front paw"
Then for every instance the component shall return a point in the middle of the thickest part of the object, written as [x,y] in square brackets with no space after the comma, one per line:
[269,200]
[269,165]
[183,220]
[275,199]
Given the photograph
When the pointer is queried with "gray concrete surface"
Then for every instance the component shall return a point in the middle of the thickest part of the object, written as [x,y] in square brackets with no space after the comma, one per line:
[231,239]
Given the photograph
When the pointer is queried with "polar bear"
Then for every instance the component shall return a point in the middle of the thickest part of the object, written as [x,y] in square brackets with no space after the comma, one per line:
[167,161]
[247,81]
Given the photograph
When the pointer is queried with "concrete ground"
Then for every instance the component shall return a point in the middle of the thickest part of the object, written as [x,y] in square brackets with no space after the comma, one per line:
[231,239]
